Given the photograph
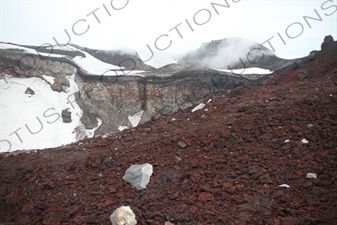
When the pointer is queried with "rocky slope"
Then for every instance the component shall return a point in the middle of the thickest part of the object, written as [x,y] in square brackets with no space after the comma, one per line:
[219,165]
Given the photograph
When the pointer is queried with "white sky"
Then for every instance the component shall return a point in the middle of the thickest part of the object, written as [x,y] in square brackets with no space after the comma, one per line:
[141,22]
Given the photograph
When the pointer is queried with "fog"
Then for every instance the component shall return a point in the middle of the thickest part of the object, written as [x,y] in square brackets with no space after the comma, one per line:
[106,24]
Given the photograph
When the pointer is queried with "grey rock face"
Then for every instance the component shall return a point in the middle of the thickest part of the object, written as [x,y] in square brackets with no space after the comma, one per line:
[20,64]
[157,95]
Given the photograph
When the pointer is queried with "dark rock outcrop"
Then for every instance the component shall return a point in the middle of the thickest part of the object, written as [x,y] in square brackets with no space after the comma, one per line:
[328,40]
[66,116]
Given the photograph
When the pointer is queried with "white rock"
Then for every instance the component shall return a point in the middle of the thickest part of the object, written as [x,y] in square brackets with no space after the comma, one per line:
[309,125]
[168,223]
[198,107]
[123,216]
[284,185]
[311,175]
[304,141]
[286,141]
[121,128]
[135,119]
[209,100]
[138,175]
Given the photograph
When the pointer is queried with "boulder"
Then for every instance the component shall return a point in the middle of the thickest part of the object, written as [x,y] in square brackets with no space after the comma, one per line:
[66,116]
[89,120]
[303,75]
[297,64]
[138,175]
[29,91]
[123,216]
[328,40]
[59,83]
[312,56]
[80,132]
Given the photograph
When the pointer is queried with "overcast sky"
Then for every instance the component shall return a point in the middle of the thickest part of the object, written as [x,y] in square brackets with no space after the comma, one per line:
[178,26]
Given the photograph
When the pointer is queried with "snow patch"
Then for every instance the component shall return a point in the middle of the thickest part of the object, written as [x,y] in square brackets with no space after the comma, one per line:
[253,70]
[35,121]
[135,119]
[89,63]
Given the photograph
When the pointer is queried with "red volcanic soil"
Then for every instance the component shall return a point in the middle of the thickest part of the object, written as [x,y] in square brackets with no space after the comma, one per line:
[226,171]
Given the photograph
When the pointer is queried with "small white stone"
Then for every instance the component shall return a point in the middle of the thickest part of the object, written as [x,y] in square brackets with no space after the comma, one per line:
[123,215]
[311,175]
[310,125]
[284,185]
[286,141]
[121,128]
[209,100]
[304,141]
[200,106]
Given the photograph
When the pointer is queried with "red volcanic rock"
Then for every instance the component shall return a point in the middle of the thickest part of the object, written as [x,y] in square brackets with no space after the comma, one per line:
[205,197]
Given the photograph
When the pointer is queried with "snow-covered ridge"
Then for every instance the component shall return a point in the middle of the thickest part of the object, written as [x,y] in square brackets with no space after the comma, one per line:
[32,120]
[88,64]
